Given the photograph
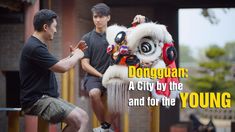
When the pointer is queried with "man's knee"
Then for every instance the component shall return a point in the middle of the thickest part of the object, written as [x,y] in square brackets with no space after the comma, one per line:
[76,118]
[82,115]
[95,94]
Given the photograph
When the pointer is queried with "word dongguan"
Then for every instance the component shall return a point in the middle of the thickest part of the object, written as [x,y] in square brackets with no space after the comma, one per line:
[158,73]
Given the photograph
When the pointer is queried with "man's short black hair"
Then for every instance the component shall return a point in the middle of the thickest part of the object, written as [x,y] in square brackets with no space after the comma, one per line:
[42,17]
[101,9]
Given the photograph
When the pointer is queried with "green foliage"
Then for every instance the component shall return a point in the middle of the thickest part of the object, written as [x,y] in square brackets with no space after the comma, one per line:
[185,54]
[214,74]
[215,65]
[204,83]
[215,52]
[230,51]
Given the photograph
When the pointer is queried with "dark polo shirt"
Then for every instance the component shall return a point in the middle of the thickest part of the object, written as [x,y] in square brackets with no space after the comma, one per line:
[96,51]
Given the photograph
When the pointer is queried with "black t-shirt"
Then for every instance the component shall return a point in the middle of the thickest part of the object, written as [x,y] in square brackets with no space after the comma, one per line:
[96,51]
[35,77]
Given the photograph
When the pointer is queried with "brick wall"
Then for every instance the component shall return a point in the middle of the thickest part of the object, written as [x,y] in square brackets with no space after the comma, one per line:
[2,101]
[125,15]
[11,42]
[2,90]
[56,46]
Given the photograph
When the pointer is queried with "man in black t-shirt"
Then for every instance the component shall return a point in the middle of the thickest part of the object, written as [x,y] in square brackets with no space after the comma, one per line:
[95,63]
[39,91]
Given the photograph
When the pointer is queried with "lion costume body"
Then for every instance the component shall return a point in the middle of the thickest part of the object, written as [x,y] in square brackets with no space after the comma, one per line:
[146,45]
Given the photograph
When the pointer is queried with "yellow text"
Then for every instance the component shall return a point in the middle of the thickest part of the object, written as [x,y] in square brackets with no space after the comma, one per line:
[206,100]
[159,73]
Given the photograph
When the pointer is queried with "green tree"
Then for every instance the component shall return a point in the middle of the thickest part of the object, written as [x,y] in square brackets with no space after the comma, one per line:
[230,51]
[185,54]
[214,75]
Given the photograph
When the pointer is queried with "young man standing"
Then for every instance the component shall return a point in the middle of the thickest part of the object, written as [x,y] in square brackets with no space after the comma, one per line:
[39,91]
[95,63]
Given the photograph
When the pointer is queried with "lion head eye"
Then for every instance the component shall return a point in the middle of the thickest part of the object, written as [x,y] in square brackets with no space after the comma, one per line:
[146,46]
[120,37]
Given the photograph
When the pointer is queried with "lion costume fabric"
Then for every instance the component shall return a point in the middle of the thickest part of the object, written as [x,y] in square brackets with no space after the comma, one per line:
[146,45]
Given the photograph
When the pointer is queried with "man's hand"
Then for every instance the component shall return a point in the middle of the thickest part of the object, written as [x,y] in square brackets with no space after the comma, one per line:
[78,52]
[138,19]
[81,45]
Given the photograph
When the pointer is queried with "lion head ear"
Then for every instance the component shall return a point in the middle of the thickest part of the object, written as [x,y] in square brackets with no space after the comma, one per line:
[112,31]
[167,38]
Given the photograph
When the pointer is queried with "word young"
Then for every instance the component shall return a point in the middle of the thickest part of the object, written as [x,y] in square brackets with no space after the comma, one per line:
[206,100]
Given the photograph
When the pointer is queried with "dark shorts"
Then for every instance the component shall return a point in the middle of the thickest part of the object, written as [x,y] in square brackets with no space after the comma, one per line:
[91,82]
[51,109]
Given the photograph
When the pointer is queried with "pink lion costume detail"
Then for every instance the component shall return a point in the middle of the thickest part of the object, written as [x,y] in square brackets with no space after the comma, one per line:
[146,45]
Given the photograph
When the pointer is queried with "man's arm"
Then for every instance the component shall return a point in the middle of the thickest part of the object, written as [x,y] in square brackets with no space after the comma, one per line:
[69,62]
[85,62]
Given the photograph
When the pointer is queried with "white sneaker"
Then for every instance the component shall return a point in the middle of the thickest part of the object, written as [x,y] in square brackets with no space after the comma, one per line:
[99,129]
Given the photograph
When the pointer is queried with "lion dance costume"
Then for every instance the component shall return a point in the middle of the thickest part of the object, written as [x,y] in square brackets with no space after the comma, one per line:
[146,43]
